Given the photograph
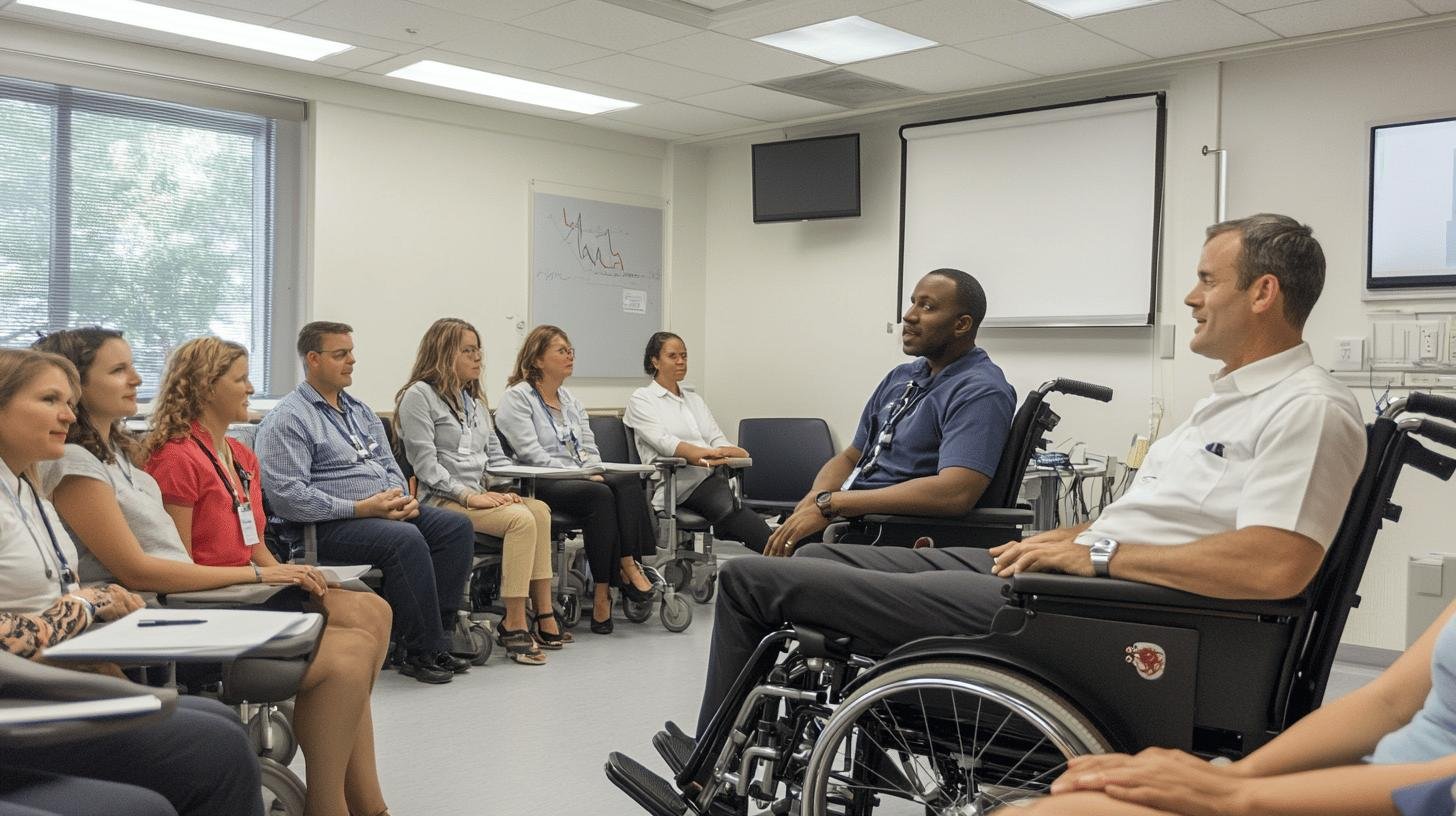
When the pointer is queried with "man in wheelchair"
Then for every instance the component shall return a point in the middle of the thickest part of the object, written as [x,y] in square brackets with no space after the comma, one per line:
[1240,502]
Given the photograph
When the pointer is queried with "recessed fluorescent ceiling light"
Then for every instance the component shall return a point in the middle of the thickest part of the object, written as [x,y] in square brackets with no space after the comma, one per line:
[1073,9]
[200,26]
[506,87]
[848,39]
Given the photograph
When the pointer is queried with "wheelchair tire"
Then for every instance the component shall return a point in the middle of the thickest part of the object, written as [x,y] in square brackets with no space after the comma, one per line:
[678,573]
[283,791]
[676,613]
[636,611]
[704,590]
[481,644]
[284,745]
[569,607]
[910,727]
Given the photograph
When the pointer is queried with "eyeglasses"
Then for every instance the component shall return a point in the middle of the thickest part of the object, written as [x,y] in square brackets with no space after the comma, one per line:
[471,351]
[565,351]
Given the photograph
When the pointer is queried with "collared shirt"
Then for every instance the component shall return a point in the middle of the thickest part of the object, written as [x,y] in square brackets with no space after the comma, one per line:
[660,420]
[432,433]
[1279,443]
[188,477]
[312,471]
[137,495]
[25,549]
[961,420]
[545,438]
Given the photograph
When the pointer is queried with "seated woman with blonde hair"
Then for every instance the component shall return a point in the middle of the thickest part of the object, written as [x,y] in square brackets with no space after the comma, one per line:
[444,426]
[194,526]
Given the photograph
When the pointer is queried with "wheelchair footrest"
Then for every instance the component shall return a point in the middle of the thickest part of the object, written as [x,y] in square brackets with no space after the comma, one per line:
[674,747]
[655,794]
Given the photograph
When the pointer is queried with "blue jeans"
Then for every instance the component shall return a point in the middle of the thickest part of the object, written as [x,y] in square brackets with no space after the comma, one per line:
[425,562]
[199,758]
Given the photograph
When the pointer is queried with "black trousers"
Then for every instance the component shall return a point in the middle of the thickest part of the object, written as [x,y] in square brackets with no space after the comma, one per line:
[199,759]
[616,521]
[713,500]
[882,597]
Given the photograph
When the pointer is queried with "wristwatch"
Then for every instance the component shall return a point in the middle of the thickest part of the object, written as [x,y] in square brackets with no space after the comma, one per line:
[822,498]
[1102,551]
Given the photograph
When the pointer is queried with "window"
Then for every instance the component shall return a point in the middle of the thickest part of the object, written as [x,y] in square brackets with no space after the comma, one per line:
[150,217]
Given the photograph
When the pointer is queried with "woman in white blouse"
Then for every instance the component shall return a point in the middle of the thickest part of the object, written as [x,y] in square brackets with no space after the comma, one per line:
[669,421]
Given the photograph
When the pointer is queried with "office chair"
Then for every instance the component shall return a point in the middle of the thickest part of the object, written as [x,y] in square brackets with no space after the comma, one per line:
[787,454]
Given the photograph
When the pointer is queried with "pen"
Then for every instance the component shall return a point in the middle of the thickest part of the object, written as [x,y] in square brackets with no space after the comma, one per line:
[168,622]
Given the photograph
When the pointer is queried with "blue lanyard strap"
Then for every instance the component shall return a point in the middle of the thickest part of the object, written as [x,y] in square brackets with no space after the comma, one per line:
[362,443]
[67,577]
[575,450]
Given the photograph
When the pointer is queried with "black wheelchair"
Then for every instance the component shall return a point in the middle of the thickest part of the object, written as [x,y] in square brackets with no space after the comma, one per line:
[964,725]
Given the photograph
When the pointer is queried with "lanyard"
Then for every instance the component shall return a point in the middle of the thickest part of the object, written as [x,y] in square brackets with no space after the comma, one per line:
[243,476]
[869,460]
[575,449]
[351,434]
[67,577]
[124,466]
[467,406]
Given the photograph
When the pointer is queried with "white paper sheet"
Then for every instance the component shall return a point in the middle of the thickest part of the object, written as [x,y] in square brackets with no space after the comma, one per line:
[533,472]
[340,573]
[224,633]
[80,710]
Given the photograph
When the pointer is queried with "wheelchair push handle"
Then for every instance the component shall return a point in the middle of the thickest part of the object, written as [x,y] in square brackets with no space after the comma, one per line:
[1077,388]
[1422,403]
[1437,432]
[1424,459]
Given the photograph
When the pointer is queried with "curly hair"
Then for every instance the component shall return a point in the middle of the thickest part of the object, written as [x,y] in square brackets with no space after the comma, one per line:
[192,372]
[80,347]
[435,363]
[527,368]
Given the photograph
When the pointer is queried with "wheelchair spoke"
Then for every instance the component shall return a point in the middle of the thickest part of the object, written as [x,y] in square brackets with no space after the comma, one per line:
[1029,752]
[915,771]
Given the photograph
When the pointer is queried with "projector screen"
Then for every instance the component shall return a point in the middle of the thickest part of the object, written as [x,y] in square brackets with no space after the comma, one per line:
[1412,240]
[1056,211]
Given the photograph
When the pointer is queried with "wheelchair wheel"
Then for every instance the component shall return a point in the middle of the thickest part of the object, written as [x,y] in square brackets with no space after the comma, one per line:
[676,614]
[283,791]
[481,644]
[944,738]
[678,573]
[703,590]
[283,745]
[570,610]
[636,611]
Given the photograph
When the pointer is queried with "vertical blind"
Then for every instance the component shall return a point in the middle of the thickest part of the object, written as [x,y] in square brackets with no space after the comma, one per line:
[150,217]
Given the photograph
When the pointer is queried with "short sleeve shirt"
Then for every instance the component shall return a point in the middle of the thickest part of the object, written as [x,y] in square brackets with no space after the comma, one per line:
[1279,443]
[961,420]
[136,493]
[187,476]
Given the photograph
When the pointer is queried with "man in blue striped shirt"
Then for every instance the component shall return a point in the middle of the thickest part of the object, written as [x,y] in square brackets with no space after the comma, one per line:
[325,460]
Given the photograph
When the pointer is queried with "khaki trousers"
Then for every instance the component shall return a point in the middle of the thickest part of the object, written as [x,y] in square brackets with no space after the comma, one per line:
[525,528]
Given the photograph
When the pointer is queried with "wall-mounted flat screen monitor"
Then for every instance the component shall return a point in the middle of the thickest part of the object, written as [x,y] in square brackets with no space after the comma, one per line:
[1412,241]
[806,178]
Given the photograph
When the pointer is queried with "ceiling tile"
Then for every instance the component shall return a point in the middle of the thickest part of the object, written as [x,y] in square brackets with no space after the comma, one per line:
[627,71]
[1179,27]
[392,19]
[634,129]
[682,118]
[352,37]
[728,56]
[1061,49]
[1436,6]
[1333,15]
[491,9]
[277,8]
[356,58]
[940,70]
[957,21]
[520,46]
[604,25]
[773,17]
[1246,6]
[762,103]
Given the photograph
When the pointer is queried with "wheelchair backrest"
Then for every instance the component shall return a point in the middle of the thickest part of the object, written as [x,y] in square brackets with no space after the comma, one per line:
[1034,418]
[787,454]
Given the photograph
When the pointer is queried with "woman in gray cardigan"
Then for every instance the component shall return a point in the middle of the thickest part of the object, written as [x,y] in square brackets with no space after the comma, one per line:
[547,427]
[445,429]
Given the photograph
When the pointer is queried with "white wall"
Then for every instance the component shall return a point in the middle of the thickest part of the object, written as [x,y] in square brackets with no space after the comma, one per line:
[796,312]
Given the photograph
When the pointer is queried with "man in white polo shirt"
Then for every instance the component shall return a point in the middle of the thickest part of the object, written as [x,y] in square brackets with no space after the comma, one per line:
[1240,501]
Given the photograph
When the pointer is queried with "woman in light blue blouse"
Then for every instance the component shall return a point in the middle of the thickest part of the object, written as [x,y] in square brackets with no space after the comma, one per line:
[547,427]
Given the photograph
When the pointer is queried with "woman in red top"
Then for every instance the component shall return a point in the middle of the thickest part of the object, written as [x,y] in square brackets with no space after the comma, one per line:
[209,485]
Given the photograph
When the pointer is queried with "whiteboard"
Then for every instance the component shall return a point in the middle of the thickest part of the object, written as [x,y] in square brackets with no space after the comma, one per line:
[596,272]
[1056,211]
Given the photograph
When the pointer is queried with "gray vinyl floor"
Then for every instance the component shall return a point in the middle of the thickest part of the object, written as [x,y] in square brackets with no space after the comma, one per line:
[511,739]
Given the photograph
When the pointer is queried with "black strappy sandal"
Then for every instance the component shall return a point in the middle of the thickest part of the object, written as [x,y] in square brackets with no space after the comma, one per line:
[548,640]
[520,646]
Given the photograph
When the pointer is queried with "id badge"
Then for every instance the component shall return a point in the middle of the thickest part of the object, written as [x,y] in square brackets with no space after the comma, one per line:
[464,447]
[848,483]
[248,525]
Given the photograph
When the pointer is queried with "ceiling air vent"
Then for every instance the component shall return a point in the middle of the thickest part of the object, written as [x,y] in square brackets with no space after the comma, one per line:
[840,87]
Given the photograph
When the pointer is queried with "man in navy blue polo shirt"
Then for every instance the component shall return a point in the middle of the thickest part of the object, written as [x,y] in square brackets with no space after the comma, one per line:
[931,435]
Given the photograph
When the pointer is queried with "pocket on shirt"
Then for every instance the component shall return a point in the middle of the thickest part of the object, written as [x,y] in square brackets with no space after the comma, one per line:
[1192,475]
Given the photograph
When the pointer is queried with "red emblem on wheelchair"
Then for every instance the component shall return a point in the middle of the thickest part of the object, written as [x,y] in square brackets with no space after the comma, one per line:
[1148,658]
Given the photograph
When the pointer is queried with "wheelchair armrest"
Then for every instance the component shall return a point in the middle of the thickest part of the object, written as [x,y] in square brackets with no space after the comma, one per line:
[223,597]
[291,644]
[979,517]
[669,462]
[1076,587]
